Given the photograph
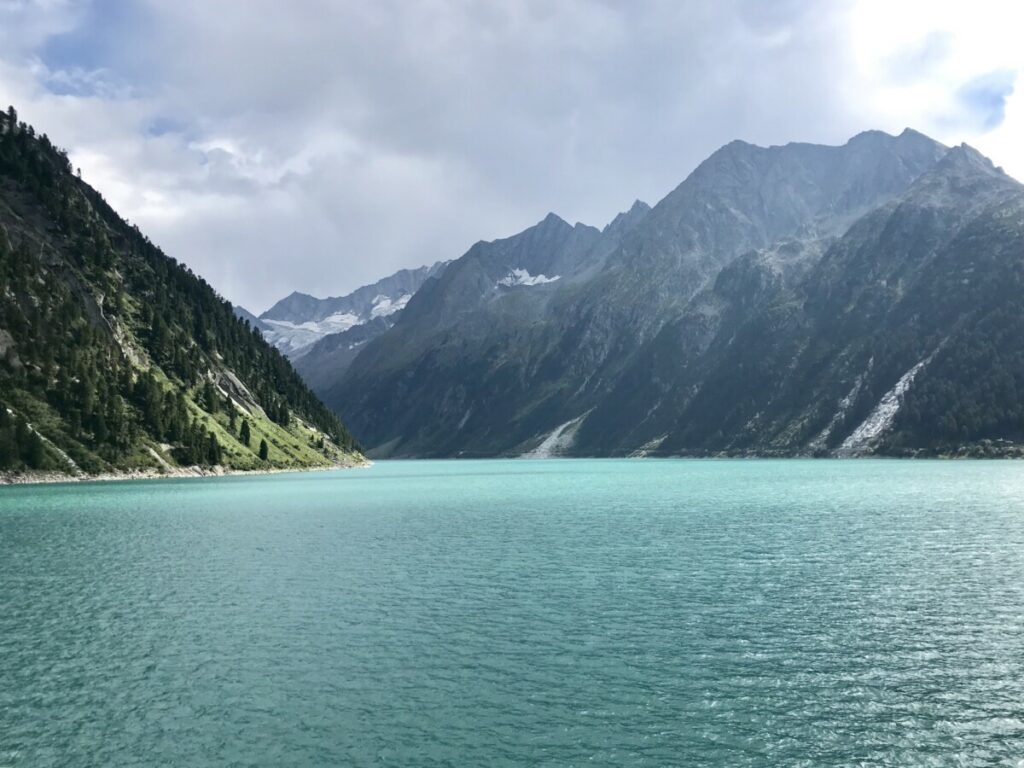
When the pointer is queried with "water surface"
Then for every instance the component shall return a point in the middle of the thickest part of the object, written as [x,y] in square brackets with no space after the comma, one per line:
[600,613]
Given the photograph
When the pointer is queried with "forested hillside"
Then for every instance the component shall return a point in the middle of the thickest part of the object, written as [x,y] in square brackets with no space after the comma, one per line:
[114,356]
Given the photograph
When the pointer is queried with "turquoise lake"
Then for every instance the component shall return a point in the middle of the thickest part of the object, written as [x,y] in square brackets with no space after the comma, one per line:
[480,613]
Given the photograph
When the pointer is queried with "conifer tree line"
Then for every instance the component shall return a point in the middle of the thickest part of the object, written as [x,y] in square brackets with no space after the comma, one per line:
[20,446]
[75,299]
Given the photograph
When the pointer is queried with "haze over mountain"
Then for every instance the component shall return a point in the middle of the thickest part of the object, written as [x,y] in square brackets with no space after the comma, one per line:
[783,300]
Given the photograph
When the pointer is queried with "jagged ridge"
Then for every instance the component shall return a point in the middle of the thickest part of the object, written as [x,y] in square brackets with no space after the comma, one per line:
[767,306]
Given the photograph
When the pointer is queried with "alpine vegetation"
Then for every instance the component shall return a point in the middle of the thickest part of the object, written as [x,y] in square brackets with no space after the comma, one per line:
[115,357]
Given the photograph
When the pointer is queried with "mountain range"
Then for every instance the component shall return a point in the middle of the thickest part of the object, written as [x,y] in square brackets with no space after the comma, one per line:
[788,300]
[116,358]
[796,300]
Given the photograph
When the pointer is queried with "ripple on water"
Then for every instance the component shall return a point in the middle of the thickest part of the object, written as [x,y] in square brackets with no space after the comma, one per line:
[736,613]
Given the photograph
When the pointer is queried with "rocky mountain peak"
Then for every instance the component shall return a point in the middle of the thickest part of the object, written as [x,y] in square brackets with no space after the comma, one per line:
[962,178]
[625,221]
[553,220]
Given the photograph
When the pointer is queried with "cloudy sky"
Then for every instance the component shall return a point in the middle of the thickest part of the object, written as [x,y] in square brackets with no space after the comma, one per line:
[317,145]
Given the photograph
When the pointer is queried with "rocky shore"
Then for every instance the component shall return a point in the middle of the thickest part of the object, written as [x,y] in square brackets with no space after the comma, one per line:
[32,478]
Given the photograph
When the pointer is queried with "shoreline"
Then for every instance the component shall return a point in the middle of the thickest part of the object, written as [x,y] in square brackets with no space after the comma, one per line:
[51,477]
[28,477]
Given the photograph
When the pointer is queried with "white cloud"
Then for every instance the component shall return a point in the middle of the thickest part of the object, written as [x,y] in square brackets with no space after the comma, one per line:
[952,69]
[27,24]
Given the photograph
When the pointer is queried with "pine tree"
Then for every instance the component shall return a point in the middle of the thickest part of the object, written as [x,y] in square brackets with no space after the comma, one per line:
[99,428]
[213,456]
[210,399]
[34,453]
[264,450]
[30,445]
[8,446]
[244,433]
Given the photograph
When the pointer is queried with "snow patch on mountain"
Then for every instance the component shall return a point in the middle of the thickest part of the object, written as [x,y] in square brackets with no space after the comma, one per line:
[290,337]
[298,321]
[523,277]
[336,323]
[385,305]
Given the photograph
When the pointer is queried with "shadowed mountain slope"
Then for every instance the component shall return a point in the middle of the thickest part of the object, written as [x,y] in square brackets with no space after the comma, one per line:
[777,301]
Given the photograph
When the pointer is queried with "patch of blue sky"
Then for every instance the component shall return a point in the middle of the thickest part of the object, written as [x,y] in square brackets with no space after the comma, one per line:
[161,126]
[983,99]
[91,58]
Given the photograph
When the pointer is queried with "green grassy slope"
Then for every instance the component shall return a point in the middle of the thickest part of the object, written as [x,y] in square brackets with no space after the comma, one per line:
[114,356]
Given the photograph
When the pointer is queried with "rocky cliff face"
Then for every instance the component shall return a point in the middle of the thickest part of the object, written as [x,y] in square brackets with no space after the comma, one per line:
[824,362]
[785,300]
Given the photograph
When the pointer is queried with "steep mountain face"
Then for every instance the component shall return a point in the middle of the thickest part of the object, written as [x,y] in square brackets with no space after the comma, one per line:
[326,361]
[297,322]
[114,356]
[782,300]
[826,362]
[489,300]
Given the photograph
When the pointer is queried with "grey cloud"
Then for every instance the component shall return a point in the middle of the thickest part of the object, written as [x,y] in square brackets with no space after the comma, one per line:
[27,24]
[320,145]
